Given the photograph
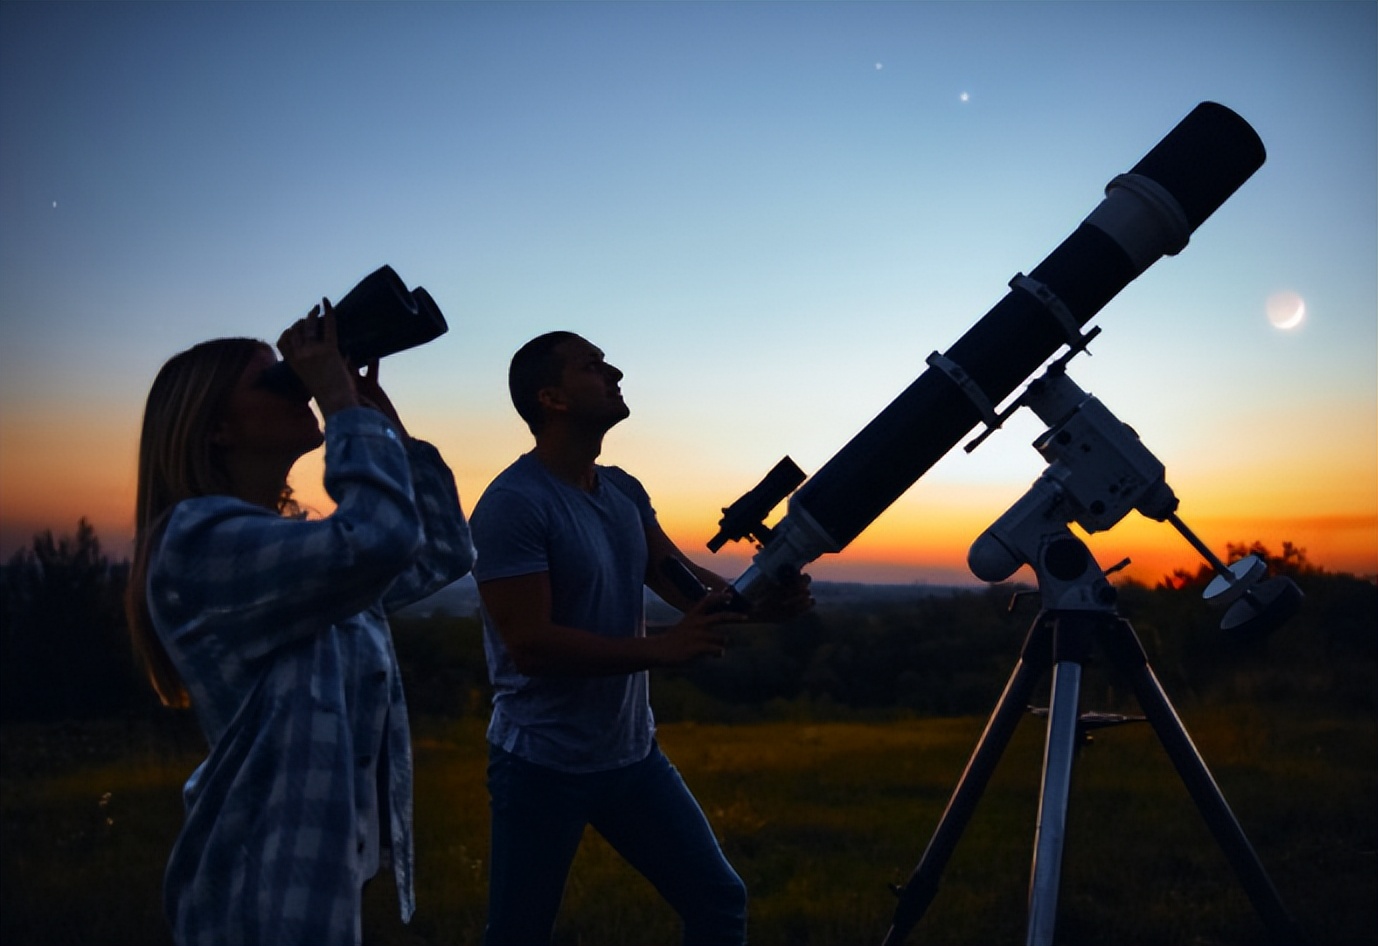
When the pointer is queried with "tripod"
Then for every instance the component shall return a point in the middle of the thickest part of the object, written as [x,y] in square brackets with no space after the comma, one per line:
[1060,640]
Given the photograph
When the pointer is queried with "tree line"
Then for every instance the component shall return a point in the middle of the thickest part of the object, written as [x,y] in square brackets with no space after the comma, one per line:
[64,648]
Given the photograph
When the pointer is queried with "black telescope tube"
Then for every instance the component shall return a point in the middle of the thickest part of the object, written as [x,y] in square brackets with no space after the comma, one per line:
[1175,187]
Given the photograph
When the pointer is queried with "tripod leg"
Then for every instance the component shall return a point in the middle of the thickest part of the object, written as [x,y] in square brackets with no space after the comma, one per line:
[919,890]
[1072,635]
[1051,831]
[1124,648]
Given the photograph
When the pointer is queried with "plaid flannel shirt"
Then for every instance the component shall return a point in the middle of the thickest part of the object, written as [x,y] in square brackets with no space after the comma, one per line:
[278,628]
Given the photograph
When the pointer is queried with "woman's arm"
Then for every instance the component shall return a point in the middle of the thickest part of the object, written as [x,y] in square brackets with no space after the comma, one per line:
[258,581]
[447,551]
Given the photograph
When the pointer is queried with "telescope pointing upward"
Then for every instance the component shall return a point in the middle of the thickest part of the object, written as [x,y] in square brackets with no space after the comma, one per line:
[1147,213]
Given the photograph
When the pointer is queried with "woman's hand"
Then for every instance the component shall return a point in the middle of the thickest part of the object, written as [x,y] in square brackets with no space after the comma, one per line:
[310,346]
[371,394]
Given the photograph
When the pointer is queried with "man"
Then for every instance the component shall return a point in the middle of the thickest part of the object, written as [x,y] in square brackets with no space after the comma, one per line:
[565,547]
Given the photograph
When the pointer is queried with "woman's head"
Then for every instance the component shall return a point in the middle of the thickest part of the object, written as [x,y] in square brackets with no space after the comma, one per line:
[177,456]
[197,397]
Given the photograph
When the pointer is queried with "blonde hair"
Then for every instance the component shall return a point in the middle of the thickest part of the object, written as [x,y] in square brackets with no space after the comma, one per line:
[178,461]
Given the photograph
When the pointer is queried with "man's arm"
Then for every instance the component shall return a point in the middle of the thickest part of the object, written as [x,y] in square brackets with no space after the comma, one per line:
[659,547]
[785,602]
[520,609]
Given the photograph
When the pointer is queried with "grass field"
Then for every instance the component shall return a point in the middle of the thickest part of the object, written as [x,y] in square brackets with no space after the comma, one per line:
[818,819]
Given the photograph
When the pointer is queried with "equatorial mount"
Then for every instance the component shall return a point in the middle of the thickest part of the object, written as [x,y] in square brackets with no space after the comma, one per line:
[1099,471]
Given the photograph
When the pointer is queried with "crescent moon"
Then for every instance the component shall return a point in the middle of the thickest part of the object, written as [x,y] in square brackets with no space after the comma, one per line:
[1293,320]
[1286,310]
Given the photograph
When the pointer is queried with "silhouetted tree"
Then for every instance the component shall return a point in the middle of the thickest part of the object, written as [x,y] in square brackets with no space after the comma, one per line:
[1293,562]
[64,651]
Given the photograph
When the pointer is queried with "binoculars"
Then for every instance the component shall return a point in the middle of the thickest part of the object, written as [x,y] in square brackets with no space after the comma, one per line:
[380,316]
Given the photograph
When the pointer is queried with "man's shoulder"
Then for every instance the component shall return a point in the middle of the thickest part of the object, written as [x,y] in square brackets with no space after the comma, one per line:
[520,474]
[628,486]
[621,478]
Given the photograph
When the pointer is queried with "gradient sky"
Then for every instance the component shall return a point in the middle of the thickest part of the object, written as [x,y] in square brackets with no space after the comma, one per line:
[767,214]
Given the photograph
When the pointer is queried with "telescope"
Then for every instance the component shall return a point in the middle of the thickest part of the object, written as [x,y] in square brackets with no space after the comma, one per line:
[1098,472]
[1149,212]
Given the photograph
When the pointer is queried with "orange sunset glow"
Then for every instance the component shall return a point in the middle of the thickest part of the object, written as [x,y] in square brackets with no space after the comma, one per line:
[922,539]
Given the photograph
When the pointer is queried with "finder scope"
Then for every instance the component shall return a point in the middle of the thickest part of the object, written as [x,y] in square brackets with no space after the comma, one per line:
[1148,212]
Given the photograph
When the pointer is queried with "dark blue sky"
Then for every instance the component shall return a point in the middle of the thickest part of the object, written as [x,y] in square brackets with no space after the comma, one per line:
[768,214]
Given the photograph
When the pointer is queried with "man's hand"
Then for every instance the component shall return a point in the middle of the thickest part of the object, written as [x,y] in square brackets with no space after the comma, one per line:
[699,633]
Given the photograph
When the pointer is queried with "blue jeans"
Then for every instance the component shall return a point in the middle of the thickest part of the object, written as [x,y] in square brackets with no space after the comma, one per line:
[645,811]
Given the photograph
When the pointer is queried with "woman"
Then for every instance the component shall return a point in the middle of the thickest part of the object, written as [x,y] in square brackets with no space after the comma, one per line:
[272,628]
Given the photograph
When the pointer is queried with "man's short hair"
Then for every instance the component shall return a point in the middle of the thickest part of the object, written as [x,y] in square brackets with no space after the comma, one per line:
[535,366]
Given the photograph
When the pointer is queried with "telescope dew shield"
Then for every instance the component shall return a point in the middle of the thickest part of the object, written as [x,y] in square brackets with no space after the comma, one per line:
[1147,213]
[378,317]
